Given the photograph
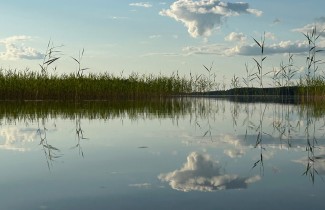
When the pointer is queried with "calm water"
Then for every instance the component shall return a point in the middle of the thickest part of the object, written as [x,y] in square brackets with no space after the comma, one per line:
[179,154]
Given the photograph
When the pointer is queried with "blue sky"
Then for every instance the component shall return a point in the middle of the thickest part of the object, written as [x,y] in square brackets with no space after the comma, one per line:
[161,36]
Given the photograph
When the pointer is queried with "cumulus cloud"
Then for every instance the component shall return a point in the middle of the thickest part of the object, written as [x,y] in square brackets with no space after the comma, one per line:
[141,4]
[15,49]
[203,16]
[319,24]
[235,37]
[202,173]
[278,48]
[245,49]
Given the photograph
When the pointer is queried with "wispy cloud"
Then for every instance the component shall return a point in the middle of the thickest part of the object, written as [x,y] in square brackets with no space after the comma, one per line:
[234,153]
[155,36]
[203,17]
[166,54]
[270,36]
[210,49]
[118,18]
[141,4]
[202,173]
[15,49]
[276,21]
[141,185]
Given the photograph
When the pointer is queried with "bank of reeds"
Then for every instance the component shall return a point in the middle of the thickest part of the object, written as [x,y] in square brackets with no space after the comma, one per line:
[29,85]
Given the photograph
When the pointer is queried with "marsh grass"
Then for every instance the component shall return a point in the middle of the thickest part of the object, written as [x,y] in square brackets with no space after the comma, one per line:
[28,85]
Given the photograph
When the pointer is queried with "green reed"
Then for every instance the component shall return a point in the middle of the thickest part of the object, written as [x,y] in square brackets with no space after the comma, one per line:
[30,85]
[313,84]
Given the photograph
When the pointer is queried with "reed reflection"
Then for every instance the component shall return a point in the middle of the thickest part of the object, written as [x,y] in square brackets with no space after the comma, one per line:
[79,135]
[51,152]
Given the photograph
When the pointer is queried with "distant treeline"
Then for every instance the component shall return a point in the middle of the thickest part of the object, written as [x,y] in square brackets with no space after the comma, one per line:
[246,91]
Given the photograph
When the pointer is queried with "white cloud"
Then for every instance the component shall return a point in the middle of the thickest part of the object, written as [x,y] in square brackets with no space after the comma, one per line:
[118,18]
[204,16]
[235,37]
[282,47]
[255,12]
[215,49]
[319,24]
[270,36]
[278,48]
[156,36]
[15,51]
[202,173]
[141,4]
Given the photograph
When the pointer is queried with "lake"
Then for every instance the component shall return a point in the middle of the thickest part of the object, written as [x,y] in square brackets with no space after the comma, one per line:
[181,153]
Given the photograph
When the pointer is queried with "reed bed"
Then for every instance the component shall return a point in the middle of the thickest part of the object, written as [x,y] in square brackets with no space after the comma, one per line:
[28,85]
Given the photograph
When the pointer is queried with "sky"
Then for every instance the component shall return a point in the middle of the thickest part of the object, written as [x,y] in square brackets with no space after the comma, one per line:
[157,37]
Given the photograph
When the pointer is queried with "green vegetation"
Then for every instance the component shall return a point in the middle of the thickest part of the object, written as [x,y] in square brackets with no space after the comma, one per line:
[15,85]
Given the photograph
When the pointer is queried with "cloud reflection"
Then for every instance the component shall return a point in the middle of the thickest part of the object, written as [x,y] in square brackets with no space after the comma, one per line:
[202,173]
[13,138]
[234,153]
[317,161]
[141,185]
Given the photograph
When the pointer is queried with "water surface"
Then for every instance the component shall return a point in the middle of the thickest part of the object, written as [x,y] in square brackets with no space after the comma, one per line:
[174,154]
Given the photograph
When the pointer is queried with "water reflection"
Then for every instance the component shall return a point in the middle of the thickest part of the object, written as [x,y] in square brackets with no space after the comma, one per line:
[202,173]
[241,128]
[51,153]
[79,135]
[145,153]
